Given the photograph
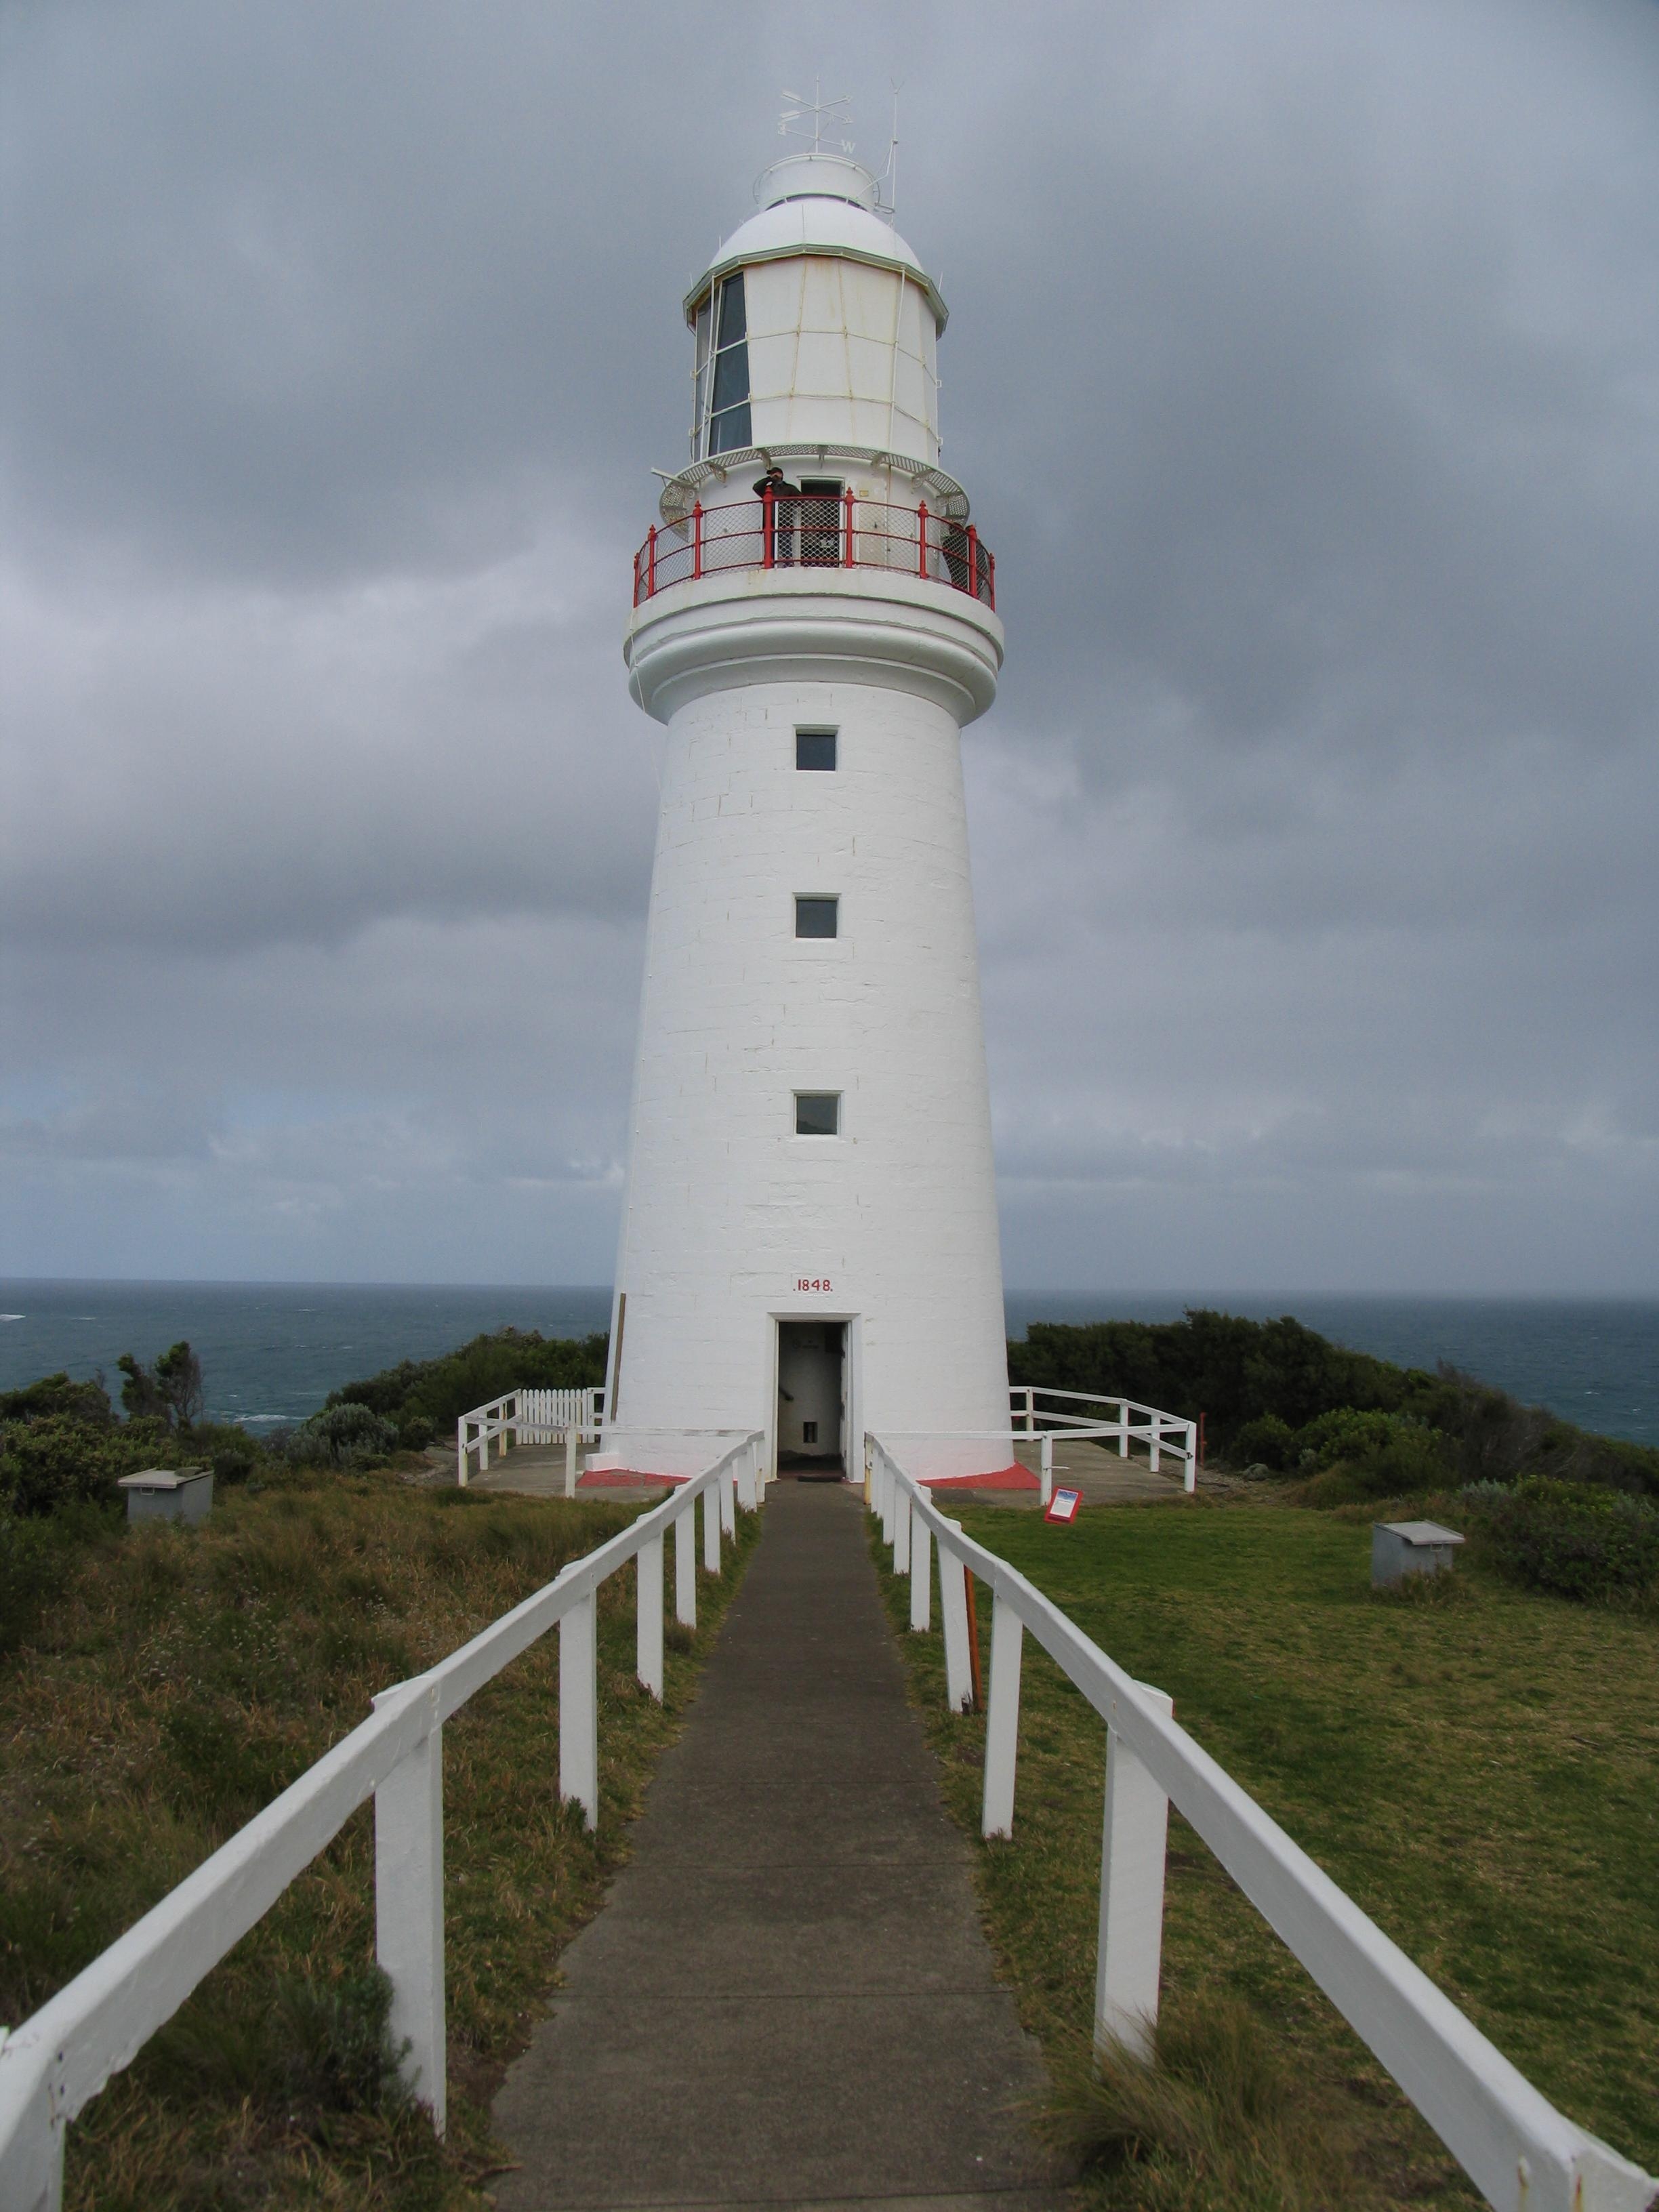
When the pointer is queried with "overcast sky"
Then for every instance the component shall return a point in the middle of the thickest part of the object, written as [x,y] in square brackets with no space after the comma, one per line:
[1303,369]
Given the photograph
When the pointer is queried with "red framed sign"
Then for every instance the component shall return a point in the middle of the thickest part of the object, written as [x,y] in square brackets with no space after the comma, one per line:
[1063,1505]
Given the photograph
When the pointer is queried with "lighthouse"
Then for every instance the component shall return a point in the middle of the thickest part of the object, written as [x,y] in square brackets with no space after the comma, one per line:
[809,1242]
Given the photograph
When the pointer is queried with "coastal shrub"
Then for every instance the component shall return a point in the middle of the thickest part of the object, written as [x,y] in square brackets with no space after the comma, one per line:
[1267,1441]
[1581,1541]
[1231,1369]
[56,1394]
[348,1435]
[58,1460]
[441,1390]
[1240,1373]
[414,1431]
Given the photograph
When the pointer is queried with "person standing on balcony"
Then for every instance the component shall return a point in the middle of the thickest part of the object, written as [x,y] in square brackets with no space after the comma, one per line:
[778,514]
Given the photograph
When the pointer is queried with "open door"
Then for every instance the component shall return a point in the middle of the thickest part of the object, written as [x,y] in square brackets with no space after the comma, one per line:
[812,1398]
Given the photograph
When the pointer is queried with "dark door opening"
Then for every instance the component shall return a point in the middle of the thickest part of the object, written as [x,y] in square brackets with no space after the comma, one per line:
[812,1398]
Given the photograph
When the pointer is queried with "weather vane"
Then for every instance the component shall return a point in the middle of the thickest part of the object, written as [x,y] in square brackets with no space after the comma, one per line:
[825,117]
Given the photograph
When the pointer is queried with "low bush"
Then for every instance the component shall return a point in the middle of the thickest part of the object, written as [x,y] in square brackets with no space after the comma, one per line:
[56,1460]
[1371,1455]
[348,1436]
[1592,1544]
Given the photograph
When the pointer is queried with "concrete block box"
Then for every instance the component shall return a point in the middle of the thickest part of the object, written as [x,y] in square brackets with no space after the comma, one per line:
[162,1494]
[1400,1548]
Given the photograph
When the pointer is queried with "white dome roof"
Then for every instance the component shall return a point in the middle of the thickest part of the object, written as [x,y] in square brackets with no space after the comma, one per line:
[814,223]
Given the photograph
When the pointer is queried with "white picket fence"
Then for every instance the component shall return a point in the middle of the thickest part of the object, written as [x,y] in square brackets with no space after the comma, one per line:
[1522,2154]
[1162,1434]
[98,2023]
[528,1416]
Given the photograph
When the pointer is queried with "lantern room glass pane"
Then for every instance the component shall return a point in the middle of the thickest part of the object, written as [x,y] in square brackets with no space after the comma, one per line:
[729,422]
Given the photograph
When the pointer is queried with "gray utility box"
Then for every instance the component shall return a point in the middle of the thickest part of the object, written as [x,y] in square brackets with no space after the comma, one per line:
[163,1493]
[1400,1548]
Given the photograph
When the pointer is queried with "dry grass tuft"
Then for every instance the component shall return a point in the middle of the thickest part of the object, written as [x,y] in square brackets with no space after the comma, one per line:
[1217,2121]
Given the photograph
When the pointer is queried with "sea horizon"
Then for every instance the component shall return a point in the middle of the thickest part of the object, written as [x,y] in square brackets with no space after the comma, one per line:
[272,1350]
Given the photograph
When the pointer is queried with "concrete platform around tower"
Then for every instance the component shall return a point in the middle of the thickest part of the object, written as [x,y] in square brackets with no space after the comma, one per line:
[787,1999]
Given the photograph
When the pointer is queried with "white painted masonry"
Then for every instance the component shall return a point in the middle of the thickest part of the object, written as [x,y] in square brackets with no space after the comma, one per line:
[732,1221]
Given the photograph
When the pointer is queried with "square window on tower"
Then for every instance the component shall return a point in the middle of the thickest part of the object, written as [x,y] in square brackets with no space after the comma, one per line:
[817,1113]
[815,748]
[817,917]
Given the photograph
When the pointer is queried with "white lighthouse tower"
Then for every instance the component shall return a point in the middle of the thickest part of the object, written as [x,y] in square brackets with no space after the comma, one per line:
[808,1240]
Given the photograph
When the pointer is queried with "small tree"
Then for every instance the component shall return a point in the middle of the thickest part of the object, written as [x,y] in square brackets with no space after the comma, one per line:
[178,1378]
[170,1391]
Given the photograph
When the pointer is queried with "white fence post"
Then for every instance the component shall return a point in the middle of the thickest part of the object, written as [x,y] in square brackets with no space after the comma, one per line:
[685,1564]
[726,1483]
[647,1617]
[902,1532]
[1131,1941]
[572,1438]
[746,1473]
[579,1707]
[1191,1482]
[460,1452]
[921,1572]
[1123,1428]
[409,1913]
[1154,1438]
[711,1528]
[954,1615]
[1002,1721]
[1046,1479]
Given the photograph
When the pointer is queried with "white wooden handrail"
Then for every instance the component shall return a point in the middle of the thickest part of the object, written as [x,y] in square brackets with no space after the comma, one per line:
[527,1415]
[1133,1423]
[1520,2152]
[97,2023]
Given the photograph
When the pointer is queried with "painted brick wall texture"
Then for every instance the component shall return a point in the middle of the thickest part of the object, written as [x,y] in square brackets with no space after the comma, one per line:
[728,1210]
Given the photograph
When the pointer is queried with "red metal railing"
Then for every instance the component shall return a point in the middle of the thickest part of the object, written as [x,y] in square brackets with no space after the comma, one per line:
[812,530]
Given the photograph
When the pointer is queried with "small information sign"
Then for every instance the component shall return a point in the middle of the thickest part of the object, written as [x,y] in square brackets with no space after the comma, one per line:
[1063,1505]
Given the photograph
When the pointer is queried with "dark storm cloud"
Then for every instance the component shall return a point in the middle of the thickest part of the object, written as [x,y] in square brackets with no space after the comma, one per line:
[1304,368]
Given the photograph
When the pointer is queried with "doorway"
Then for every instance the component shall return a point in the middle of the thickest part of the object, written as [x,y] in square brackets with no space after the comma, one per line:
[811,1399]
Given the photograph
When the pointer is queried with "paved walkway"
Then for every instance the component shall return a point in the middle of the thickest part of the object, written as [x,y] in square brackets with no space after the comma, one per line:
[788,1999]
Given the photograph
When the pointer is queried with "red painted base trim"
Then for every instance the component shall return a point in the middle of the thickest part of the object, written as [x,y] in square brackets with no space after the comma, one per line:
[624,1478]
[1005,1477]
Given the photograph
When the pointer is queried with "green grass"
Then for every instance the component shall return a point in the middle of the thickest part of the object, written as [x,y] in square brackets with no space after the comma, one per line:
[184,1677]
[1477,1770]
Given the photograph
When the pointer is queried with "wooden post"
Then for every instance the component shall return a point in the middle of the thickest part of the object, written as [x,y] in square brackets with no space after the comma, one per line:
[1135,1834]
[973,1637]
[579,1708]
[685,1564]
[647,1617]
[409,1914]
[1002,1722]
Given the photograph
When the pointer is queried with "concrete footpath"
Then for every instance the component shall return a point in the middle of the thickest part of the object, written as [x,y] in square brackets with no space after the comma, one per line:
[787,1999]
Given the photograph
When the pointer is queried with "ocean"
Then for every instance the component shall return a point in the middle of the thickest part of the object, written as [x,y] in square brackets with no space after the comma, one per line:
[271,1352]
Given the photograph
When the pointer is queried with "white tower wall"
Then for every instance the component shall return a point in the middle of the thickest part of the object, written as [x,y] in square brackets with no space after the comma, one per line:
[733,1221]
